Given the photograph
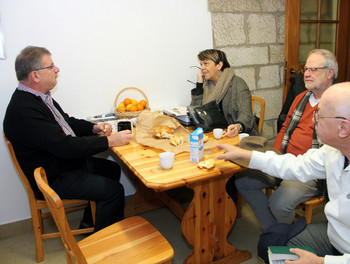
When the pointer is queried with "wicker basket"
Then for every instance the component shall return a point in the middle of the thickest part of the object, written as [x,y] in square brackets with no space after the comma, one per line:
[129,115]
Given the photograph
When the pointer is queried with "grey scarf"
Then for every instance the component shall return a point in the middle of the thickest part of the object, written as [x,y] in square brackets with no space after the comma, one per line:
[298,112]
[217,91]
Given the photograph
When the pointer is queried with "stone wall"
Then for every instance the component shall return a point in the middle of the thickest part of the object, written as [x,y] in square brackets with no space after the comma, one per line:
[251,33]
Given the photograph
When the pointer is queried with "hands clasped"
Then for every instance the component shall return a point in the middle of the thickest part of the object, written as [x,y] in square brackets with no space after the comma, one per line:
[114,140]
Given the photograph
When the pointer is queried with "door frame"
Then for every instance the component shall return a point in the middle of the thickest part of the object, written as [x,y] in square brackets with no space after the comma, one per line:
[291,49]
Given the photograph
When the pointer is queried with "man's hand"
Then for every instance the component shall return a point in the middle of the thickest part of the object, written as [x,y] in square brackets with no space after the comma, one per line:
[104,129]
[232,130]
[233,152]
[306,257]
[120,138]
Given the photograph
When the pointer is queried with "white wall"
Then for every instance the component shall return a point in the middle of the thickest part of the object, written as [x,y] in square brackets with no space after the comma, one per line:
[101,47]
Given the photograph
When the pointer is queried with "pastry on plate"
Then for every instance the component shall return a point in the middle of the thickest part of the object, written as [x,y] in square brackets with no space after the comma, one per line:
[163,132]
[206,164]
[177,140]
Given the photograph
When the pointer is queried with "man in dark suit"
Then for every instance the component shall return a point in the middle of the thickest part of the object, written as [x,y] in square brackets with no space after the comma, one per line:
[43,135]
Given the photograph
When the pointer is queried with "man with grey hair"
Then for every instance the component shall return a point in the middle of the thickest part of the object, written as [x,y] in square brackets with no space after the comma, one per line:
[330,240]
[296,136]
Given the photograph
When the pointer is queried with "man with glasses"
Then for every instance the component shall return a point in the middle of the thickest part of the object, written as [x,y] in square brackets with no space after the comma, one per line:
[330,240]
[296,136]
[43,135]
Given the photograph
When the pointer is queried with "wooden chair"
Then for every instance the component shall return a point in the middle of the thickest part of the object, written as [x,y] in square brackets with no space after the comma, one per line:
[37,206]
[133,240]
[307,206]
[261,101]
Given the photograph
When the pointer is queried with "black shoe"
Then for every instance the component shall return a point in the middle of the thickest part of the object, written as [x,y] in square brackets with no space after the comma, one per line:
[84,225]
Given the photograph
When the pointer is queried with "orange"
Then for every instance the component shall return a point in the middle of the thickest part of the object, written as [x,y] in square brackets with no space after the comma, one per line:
[128,107]
[140,107]
[133,108]
[127,101]
[121,108]
[143,102]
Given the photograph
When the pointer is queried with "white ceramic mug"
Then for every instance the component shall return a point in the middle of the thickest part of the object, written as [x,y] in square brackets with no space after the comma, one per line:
[166,160]
[218,132]
[243,135]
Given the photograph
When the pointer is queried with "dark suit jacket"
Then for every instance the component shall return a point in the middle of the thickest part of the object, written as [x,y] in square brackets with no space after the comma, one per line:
[38,140]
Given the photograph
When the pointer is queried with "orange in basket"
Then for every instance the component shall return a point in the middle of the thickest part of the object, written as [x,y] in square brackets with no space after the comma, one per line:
[132,107]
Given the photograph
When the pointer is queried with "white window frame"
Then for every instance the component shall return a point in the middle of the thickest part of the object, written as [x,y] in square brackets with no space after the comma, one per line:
[2,44]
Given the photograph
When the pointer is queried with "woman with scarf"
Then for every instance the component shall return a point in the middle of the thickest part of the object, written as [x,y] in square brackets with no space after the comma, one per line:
[217,81]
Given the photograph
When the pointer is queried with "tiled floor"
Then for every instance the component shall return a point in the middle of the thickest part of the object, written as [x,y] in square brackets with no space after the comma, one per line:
[17,239]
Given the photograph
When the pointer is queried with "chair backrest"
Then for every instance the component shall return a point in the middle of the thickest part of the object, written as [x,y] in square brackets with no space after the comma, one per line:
[256,99]
[23,177]
[59,215]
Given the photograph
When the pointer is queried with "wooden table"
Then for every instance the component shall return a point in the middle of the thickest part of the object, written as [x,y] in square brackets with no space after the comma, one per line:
[211,214]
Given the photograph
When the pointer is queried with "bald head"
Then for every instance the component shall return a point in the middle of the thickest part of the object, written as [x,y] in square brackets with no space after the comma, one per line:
[337,100]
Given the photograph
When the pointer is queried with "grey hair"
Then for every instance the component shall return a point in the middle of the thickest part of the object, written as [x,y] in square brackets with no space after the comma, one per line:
[330,60]
[28,60]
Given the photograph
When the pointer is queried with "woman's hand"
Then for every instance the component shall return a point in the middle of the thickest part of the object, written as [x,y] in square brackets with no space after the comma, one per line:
[306,257]
[200,77]
[232,130]
[104,129]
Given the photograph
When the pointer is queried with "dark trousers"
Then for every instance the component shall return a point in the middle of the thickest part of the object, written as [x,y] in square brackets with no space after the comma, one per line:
[97,180]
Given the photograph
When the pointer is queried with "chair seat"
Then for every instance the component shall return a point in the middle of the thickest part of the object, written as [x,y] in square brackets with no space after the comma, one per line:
[129,241]
[314,201]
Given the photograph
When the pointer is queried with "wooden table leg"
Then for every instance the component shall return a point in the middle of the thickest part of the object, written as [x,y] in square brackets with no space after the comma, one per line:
[207,222]
[146,199]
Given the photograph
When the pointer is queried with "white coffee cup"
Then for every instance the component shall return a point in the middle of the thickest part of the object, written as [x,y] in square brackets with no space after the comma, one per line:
[243,135]
[166,160]
[218,132]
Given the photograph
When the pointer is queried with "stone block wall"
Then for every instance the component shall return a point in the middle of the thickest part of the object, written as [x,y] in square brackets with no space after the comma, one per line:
[251,33]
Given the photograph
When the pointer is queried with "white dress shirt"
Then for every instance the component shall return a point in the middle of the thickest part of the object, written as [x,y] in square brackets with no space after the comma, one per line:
[326,162]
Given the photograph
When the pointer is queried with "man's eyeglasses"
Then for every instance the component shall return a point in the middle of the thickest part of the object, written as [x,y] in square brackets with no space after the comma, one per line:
[48,67]
[312,69]
[317,117]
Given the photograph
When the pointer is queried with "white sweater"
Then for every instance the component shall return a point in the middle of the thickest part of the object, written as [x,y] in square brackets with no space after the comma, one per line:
[326,162]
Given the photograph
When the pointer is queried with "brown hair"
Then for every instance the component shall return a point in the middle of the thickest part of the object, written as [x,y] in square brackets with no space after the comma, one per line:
[214,55]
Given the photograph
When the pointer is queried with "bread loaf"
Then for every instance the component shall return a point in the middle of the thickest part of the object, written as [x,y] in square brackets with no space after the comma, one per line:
[177,140]
[163,132]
